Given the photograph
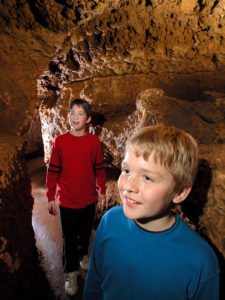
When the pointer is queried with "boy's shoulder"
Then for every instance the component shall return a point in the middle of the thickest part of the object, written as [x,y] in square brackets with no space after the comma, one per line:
[60,139]
[114,211]
[114,214]
[92,137]
[62,136]
[68,135]
[195,245]
[112,218]
[187,232]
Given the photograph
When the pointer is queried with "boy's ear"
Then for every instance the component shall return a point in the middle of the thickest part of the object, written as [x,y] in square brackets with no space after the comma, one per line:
[182,195]
[88,120]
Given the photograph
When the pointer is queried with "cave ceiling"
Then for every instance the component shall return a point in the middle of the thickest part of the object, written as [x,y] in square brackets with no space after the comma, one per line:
[125,46]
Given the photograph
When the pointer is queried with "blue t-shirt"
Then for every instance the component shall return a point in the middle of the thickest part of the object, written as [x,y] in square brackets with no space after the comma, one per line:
[130,263]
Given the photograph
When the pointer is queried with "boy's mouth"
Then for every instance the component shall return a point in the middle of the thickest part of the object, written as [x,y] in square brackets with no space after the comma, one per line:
[131,201]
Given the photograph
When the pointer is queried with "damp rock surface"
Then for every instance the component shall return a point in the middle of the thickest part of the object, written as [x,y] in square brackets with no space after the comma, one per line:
[21,276]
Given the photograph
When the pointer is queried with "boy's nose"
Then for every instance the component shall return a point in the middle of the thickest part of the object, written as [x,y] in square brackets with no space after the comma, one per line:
[131,184]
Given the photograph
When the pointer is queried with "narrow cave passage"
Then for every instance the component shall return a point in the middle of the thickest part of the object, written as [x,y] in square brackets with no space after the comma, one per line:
[48,233]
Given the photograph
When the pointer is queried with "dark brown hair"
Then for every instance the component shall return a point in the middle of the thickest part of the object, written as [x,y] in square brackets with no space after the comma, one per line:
[84,104]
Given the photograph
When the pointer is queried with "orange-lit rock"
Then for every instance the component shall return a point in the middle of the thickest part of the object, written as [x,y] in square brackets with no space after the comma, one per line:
[138,62]
[20,271]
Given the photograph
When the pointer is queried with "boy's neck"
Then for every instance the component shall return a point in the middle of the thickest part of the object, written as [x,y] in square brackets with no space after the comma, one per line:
[78,132]
[156,225]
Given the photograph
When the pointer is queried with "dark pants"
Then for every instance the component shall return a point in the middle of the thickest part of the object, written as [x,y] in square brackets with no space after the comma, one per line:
[76,225]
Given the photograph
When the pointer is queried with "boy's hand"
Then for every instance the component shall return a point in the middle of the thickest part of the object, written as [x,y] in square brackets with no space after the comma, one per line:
[101,200]
[52,208]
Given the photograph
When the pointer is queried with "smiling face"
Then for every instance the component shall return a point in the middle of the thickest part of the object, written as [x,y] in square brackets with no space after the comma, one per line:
[78,120]
[147,190]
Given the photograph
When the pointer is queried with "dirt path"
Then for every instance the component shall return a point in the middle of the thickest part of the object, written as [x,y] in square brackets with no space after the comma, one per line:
[48,233]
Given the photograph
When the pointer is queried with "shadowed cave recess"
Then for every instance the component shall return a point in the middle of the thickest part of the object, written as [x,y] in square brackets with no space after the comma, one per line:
[138,63]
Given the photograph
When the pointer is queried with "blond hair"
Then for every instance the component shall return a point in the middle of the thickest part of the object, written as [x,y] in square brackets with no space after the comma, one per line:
[175,149]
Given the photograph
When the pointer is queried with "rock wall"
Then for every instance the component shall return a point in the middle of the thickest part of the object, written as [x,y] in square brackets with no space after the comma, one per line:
[33,137]
[20,274]
[138,62]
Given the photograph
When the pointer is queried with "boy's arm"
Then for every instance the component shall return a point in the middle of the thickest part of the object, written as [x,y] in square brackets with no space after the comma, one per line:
[208,290]
[101,200]
[52,177]
[52,208]
[92,287]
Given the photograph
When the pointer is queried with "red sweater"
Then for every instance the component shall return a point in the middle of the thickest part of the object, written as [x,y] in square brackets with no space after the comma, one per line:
[75,167]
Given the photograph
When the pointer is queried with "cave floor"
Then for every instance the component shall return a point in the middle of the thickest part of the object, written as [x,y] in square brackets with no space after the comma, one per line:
[48,234]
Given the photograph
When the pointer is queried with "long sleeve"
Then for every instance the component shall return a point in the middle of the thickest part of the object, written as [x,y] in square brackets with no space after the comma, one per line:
[208,290]
[100,170]
[53,172]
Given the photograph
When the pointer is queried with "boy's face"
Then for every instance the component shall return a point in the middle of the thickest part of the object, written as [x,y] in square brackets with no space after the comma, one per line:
[78,119]
[146,189]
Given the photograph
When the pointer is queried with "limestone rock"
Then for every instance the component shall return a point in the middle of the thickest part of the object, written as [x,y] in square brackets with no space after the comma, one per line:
[138,62]
[18,254]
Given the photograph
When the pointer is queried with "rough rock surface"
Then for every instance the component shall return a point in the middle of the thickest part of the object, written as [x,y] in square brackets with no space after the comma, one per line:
[139,62]
[20,274]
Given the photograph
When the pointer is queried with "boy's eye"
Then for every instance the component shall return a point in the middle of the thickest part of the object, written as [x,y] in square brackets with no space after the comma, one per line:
[79,113]
[147,178]
[125,171]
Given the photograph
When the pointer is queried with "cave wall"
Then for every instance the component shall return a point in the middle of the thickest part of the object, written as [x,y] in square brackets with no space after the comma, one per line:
[33,145]
[138,62]
[21,276]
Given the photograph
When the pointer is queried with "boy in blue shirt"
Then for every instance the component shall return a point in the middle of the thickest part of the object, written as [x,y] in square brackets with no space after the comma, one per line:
[142,250]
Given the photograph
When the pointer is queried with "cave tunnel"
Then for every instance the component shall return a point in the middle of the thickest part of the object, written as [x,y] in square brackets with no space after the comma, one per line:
[138,63]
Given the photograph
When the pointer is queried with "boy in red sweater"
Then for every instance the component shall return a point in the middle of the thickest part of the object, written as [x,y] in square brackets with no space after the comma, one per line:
[75,168]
